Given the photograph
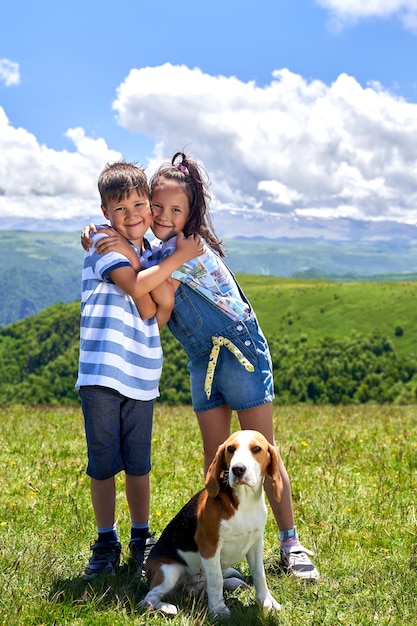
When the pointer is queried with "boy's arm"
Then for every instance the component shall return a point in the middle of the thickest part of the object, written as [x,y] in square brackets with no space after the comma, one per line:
[139,284]
[146,306]
[164,297]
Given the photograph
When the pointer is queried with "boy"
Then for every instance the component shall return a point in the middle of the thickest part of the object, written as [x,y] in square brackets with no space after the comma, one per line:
[121,360]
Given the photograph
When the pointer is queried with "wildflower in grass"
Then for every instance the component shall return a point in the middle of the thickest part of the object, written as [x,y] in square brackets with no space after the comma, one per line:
[3,523]
[304,443]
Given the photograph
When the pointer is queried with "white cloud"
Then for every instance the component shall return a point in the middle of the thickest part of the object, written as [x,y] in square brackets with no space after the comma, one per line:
[292,146]
[37,182]
[9,72]
[347,11]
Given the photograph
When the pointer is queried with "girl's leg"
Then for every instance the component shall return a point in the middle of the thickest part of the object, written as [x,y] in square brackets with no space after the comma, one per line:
[294,556]
[215,428]
[260,419]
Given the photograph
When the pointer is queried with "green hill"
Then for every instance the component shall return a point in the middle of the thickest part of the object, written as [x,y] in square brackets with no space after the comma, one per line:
[330,343]
[313,309]
[37,270]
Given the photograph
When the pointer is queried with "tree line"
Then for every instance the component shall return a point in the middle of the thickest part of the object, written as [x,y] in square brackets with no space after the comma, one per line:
[39,360]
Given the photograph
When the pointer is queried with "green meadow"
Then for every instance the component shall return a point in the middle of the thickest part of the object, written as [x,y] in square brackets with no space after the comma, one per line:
[354,481]
[296,307]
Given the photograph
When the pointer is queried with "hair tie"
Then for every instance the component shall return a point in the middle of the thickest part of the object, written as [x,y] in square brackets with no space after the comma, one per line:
[182,168]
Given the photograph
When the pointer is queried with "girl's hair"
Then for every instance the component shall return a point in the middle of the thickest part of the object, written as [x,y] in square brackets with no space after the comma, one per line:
[193,178]
[119,179]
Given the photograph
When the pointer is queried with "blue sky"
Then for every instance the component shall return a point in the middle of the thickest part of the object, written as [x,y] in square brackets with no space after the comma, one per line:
[303,109]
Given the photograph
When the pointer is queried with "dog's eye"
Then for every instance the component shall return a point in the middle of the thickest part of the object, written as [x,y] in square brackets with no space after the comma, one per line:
[231,449]
[256,449]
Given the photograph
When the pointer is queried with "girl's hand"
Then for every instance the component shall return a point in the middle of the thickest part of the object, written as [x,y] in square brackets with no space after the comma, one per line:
[117,243]
[86,240]
[189,247]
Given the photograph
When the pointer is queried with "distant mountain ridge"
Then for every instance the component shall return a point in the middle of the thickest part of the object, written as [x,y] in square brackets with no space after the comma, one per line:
[232,224]
[39,268]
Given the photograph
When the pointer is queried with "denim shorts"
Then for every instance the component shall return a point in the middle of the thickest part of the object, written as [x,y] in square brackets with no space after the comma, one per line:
[118,432]
[232,383]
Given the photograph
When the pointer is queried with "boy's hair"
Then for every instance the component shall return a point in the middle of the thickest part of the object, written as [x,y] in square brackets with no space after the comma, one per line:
[193,178]
[118,179]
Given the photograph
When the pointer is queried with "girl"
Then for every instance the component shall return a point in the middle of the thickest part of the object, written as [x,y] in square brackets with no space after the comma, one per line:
[229,361]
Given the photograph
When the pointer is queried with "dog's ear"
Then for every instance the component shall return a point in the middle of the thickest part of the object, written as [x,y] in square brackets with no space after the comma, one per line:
[274,473]
[214,472]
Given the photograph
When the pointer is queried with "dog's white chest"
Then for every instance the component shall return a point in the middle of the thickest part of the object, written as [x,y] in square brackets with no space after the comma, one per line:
[238,534]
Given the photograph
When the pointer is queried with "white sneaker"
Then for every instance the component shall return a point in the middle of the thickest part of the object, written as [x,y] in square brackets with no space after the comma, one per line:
[295,560]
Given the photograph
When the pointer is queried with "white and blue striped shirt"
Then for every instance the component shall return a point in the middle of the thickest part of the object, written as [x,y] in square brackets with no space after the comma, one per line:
[117,348]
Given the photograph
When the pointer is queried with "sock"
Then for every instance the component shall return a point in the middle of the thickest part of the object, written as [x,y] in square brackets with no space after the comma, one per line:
[289,537]
[108,534]
[139,531]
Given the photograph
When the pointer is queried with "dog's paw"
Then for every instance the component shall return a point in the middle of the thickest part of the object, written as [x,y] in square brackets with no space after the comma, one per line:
[164,607]
[220,611]
[270,604]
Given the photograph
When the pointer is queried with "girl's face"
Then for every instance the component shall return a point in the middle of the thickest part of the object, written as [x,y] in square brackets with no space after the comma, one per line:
[170,208]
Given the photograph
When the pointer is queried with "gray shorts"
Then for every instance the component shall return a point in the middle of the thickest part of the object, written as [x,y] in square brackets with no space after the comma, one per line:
[118,432]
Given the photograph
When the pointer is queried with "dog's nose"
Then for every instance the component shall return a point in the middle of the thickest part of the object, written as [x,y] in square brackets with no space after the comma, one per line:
[238,470]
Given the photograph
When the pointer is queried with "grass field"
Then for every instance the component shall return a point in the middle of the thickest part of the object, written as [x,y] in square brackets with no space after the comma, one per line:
[354,481]
[313,308]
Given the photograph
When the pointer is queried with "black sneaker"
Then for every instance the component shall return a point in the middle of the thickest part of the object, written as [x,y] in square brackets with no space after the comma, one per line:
[140,550]
[105,559]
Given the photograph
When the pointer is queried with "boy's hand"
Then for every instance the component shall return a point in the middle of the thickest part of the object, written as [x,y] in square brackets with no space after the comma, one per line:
[189,247]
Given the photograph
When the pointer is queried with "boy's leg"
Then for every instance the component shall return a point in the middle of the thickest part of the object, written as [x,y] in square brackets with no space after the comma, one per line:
[293,555]
[101,409]
[106,551]
[136,438]
[103,497]
[141,540]
[138,497]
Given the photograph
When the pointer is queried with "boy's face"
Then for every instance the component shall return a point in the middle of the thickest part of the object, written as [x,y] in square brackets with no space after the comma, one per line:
[131,217]
[170,208]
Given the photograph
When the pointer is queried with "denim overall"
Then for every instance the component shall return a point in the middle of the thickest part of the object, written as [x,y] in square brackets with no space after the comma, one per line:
[242,382]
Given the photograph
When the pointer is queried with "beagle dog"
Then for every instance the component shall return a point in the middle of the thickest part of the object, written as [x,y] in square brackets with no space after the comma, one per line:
[217,528]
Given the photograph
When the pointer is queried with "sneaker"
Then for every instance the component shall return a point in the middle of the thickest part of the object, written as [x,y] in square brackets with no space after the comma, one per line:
[140,550]
[105,559]
[295,560]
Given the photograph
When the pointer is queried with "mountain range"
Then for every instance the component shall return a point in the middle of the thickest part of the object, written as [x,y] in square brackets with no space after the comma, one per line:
[232,224]
[41,267]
